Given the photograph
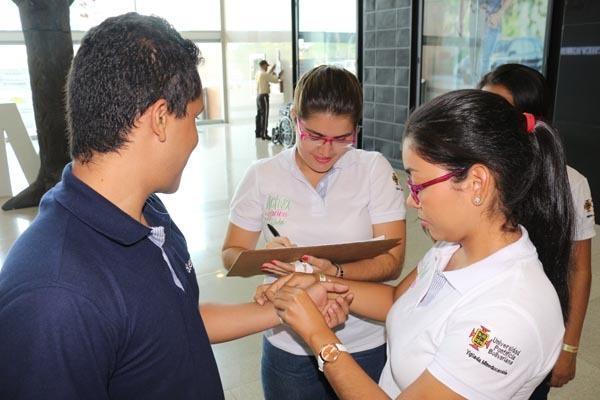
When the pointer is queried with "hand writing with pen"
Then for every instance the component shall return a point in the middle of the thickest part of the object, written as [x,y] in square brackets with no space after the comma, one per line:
[306,264]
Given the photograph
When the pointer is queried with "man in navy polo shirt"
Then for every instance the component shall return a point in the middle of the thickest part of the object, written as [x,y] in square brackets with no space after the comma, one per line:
[98,298]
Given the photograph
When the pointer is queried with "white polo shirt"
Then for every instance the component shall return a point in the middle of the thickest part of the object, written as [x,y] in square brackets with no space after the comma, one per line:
[361,190]
[584,207]
[492,330]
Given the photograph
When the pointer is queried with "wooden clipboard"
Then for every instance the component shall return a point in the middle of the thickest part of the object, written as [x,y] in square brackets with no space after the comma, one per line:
[249,262]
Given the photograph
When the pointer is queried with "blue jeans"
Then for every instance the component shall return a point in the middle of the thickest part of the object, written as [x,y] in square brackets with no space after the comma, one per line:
[541,392]
[286,376]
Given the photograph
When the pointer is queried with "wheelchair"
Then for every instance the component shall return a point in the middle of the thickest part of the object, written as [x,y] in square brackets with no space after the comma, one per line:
[284,133]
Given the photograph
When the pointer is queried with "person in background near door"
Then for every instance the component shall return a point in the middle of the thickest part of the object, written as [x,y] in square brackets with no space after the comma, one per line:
[527,90]
[264,78]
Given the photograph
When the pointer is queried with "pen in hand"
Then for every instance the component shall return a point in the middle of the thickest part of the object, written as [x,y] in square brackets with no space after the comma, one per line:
[273,230]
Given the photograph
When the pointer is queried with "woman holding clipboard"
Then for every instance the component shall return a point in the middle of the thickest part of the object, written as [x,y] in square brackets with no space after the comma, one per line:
[322,191]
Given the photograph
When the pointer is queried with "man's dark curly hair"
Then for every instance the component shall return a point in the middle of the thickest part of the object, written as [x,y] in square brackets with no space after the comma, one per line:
[123,66]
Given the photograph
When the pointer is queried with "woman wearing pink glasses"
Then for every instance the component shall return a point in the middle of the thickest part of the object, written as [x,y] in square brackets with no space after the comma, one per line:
[322,191]
[481,317]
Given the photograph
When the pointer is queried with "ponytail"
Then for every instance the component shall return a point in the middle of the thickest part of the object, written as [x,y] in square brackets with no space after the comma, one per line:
[466,127]
[547,210]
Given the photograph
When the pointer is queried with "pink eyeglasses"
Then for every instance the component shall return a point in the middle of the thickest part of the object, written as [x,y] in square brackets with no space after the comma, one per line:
[338,141]
[416,189]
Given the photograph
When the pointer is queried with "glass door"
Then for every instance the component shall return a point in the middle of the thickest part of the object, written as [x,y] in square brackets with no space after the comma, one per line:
[327,34]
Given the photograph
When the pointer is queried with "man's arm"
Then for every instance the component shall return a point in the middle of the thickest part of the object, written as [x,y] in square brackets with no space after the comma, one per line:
[273,78]
[229,322]
[226,322]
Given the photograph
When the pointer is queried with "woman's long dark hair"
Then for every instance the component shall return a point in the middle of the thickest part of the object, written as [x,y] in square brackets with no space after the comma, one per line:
[467,127]
[527,86]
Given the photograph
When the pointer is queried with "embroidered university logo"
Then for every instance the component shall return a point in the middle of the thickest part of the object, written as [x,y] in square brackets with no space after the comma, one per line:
[189,266]
[480,337]
[396,180]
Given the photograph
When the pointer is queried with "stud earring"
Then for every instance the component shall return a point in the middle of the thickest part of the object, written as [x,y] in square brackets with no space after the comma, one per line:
[477,200]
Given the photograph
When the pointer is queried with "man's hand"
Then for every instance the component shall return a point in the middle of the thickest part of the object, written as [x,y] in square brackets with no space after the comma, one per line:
[564,369]
[333,301]
[296,279]
[311,310]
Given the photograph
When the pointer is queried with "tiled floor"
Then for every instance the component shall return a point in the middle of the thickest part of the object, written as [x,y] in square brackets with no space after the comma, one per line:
[200,208]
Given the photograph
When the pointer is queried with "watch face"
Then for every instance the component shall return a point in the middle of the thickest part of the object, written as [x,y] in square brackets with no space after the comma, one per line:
[330,353]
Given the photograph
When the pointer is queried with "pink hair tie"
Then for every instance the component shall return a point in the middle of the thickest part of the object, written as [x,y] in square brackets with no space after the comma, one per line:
[530,120]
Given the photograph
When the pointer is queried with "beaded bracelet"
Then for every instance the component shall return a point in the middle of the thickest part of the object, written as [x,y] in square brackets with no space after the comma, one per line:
[339,273]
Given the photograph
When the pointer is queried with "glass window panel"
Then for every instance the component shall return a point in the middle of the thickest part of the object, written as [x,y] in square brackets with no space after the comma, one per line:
[316,16]
[211,73]
[464,39]
[14,82]
[184,15]
[9,16]
[242,62]
[258,15]
[88,13]
[326,40]
[15,86]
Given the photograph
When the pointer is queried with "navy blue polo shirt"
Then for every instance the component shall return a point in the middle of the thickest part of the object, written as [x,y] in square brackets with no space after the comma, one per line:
[89,308]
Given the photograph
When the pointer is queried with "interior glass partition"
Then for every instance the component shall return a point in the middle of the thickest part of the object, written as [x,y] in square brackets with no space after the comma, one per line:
[327,34]
[461,40]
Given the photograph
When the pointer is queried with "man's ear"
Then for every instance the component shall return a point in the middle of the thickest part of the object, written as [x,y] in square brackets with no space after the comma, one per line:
[158,113]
